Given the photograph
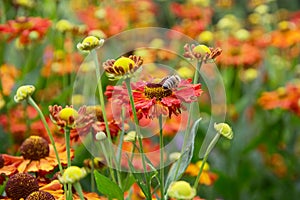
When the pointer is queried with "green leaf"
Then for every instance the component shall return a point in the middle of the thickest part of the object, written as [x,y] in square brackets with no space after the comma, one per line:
[128,182]
[107,187]
[139,177]
[185,158]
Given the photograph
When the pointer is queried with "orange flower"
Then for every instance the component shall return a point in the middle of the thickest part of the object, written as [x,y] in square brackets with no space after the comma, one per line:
[15,123]
[55,188]
[103,19]
[8,75]
[194,18]
[26,29]
[59,62]
[207,177]
[286,98]
[37,156]
[236,53]
[285,38]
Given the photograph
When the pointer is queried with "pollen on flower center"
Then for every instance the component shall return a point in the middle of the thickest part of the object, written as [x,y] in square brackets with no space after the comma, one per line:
[34,148]
[156,90]
[40,195]
[20,186]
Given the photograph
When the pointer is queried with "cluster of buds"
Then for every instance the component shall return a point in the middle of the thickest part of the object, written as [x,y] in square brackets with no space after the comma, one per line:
[201,52]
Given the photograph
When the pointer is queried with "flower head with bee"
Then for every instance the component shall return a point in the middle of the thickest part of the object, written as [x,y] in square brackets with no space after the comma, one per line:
[154,99]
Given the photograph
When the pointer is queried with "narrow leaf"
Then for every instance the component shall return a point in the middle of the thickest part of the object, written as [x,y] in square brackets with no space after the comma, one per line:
[185,157]
[140,181]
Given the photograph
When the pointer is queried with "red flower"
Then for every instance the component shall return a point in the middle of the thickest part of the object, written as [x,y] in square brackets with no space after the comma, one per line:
[26,28]
[152,99]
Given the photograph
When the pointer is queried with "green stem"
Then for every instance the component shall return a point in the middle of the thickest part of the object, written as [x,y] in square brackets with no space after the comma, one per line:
[119,155]
[136,123]
[78,189]
[92,165]
[161,144]
[69,193]
[107,160]
[68,146]
[208,150]
[32,102]
[101,98]
[186,134]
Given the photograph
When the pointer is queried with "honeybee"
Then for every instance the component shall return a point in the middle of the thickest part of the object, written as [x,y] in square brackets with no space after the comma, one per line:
[170,82]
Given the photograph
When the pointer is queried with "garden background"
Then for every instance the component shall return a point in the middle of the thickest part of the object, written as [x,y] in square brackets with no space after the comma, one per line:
[259,65]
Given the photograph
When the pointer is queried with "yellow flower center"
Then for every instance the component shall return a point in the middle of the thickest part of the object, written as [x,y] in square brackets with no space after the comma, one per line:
[34,148]
[40,195]
[68,115]
[156,90]
[202,49]
[125,63]
[20,186]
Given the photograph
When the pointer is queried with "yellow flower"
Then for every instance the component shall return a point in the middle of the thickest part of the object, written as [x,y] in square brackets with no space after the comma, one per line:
[242,34]
[206,37]
[24,92]
[72,174]
[181,190]
[123,67]
[24,3]
[89,43]
[64,26]
[224,129]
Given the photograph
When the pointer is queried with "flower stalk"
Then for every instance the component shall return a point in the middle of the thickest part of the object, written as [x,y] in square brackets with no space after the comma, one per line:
[136,122]
[161,145]
[32,102]
[186,134]
[111,156]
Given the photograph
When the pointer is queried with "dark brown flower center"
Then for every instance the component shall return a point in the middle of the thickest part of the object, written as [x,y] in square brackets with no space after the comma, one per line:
[20,186]
[34,148]
[152,90]
[40,195]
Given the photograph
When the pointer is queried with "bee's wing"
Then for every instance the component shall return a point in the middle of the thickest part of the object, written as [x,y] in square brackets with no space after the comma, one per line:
[163,80]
